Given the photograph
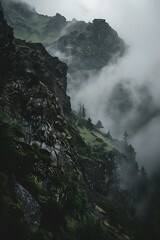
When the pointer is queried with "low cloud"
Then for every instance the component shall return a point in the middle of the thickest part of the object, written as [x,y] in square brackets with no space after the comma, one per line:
[125,94]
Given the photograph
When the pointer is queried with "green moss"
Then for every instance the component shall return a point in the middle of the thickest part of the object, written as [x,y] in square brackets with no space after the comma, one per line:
[96,139]
[35,185]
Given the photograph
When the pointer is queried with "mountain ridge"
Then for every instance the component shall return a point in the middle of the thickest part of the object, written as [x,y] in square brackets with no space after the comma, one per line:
[67,37]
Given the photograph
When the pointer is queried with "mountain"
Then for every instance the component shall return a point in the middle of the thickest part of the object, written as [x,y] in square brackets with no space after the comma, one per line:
[89,50]
[86,45]
[61,176]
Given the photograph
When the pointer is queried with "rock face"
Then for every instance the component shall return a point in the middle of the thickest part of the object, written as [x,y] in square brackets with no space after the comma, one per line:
[48,70]
[31,208]
[91,48]
[69,173]
[7,47]
[84,46]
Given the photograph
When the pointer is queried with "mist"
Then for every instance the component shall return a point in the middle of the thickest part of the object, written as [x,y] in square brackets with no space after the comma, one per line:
[124,95]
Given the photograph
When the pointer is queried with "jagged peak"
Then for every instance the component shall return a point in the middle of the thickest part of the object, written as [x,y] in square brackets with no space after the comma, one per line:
[60,17]
[99,20]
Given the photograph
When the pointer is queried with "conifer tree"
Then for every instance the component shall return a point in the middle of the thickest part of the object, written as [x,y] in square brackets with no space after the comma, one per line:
[82,111]
[89,122]
[99,124]
[125,138]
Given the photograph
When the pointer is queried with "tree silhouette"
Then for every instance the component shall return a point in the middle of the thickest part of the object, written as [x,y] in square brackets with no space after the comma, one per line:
[89,122]
[82,111]
[108,135]
[125,138]
[99,124]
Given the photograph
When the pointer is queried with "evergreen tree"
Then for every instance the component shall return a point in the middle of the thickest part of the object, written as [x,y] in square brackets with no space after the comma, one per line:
[108,135]
[99,124]
[125,138]
[82,111]
[89,122]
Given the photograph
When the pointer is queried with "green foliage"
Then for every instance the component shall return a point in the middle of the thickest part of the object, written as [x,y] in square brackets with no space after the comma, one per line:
[88,228]
[7,131]
[95,139]
[8,145]
[20,160]
[91,229]
[35,186]
[76,200]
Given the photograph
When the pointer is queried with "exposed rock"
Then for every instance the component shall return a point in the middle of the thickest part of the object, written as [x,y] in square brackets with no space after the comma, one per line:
[49,70]
[90,45]
[67,166]
[30,207]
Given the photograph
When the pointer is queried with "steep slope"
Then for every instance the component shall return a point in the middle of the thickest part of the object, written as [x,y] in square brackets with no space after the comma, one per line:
[61,178]
[87,48]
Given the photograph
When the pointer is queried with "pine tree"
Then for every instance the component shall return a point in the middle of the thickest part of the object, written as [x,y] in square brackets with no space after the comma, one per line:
[125,137]
[82,111]
[89,122]
[108,135]
[99,124]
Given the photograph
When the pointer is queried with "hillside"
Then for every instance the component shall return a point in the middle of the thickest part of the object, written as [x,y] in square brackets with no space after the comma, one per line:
[61,177]
[85,45]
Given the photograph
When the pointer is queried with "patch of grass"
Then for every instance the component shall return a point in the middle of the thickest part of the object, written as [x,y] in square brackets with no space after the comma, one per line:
[35,184]
[95,139]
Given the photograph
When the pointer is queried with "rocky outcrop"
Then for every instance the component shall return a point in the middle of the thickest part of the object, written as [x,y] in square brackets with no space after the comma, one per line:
[91,48]
[82,45]
[30,207]
[48,70]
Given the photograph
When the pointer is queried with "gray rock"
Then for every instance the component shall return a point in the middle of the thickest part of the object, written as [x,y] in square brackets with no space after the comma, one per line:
[31,208]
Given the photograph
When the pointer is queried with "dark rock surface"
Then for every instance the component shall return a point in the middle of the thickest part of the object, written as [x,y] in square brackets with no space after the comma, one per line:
[31,208]
[69,174]
[83,45]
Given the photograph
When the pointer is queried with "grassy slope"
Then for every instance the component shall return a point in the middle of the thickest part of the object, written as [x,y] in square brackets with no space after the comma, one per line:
[96,139]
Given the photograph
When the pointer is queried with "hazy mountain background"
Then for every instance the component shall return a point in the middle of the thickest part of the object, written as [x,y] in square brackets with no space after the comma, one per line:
[124,94]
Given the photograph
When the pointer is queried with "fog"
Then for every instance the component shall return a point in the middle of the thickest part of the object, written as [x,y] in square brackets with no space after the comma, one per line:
[125,94]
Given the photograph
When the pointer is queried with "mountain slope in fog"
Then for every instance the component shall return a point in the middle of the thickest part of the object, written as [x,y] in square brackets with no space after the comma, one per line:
[121,91]
[84,45]
[61,177]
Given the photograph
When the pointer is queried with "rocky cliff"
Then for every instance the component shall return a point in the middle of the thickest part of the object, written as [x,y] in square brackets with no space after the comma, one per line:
[82,45]
[61,177]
